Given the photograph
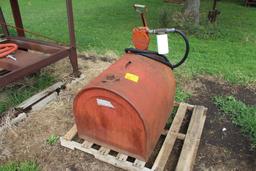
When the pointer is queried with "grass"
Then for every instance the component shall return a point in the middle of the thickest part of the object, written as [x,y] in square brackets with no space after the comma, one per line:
[181,95]
[52,139]
[106,25]
[11,96]
[241,114]
[20,166]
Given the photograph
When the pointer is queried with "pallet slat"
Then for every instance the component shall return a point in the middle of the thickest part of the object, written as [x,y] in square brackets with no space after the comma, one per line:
[139,163]
[189,106]
[192,139]
[104,151]
[121,157]
[180,136]
[170,139]
[87,144]
[71,133]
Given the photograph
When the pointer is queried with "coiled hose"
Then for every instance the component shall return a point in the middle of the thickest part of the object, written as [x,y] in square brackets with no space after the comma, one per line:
[7,49]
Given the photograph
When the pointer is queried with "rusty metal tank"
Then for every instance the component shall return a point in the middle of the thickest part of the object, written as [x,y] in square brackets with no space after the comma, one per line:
[126,107]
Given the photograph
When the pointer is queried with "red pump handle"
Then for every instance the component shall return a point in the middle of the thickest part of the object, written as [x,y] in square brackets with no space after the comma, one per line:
[6,49]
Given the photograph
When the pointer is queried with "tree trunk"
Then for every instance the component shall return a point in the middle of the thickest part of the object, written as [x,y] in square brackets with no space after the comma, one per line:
[191,8]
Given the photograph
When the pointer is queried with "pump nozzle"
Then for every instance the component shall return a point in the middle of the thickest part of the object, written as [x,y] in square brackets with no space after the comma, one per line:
[141,9]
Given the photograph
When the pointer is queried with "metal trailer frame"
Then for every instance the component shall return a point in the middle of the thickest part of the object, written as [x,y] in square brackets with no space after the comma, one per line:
[33,55]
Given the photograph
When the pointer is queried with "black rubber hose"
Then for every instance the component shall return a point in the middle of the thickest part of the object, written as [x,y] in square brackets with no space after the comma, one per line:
[162,58]
[186,51]
[151,55]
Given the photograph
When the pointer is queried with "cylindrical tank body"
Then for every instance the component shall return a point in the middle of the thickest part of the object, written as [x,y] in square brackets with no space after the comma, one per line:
[126,107]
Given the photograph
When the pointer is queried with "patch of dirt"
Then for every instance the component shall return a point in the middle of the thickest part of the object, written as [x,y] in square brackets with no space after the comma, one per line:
[218,150]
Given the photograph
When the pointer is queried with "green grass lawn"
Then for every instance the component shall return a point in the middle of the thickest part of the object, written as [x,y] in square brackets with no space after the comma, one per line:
[20,166]
[14,95]
[241,114]
[106,25]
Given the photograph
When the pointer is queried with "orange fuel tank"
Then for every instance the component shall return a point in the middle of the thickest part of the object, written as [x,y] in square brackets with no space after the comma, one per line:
[126,107]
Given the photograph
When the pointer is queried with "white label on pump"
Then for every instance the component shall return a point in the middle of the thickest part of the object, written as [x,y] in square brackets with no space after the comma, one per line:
[162,44]
[102,102]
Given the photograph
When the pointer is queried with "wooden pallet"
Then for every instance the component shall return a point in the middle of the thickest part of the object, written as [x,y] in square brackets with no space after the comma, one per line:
[187,155]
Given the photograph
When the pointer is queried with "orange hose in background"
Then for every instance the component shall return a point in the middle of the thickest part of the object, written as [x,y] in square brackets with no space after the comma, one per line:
[6,49]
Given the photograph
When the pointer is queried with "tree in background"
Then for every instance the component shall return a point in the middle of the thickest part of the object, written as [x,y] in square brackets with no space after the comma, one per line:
[191,9]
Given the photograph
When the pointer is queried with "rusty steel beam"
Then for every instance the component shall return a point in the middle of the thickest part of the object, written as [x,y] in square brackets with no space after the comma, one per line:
[40,42]
[40,46]
[3,23]
[72,38]
[17,17]
[71,26]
